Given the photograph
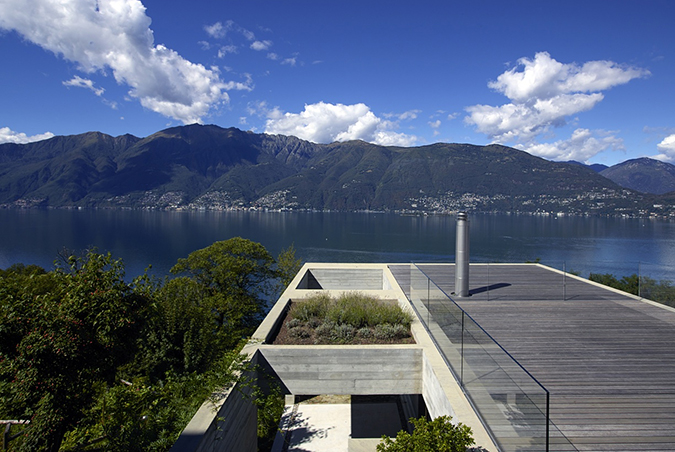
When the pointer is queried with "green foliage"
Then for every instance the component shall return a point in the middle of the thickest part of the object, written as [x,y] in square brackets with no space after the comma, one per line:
[181,337]
[315,306]
[234,280]
[96,363]
[287,267]
[439,435]
[349,316]
[62,332]
[358,310]
[270,408]
[644,286]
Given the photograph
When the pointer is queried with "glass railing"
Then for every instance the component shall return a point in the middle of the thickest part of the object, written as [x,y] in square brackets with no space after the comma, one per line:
[512,404]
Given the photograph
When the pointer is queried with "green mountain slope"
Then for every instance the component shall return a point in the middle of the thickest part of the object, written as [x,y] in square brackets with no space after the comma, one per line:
[644,175]
[209,167]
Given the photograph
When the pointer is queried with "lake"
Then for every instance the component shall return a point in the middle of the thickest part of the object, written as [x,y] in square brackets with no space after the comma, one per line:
[602,245]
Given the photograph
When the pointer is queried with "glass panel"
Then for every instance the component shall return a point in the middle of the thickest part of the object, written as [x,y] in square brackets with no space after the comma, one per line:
[512,404]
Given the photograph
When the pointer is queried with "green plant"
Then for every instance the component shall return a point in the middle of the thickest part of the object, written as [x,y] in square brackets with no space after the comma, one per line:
[314,306]
[293,323]
[358,310]
[299,332]
[439,435]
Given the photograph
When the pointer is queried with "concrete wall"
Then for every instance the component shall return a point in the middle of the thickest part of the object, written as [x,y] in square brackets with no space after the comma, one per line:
[229,426]
[331,369]
[325,369]
[342,279]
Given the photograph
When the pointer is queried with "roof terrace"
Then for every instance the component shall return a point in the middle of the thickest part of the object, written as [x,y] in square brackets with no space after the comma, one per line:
[534,359]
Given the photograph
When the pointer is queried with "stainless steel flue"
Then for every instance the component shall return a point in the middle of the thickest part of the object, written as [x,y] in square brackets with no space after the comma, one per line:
[462,256]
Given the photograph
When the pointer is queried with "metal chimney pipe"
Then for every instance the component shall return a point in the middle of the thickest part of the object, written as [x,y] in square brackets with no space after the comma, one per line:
[462,256]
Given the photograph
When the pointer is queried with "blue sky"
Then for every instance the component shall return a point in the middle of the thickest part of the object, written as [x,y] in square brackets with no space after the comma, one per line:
[587,80]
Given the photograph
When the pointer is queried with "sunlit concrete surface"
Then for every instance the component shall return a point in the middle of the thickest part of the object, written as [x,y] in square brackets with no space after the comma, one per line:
[315,428]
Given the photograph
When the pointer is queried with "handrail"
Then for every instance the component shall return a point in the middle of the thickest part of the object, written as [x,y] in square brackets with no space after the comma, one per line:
[482,329]
[510,373]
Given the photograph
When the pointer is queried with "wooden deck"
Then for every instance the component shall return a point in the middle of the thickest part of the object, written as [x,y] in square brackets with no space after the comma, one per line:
[608,360]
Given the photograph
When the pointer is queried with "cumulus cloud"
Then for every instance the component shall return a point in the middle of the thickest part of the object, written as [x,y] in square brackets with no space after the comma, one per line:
[80,82]
[325,123]
[667,149]
[9,136]
[289,61]
[115,35]
[216,30]
[261,45]
[581,146]
[543,94]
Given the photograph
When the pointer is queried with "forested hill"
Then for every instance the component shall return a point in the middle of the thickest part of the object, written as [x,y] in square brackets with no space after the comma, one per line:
[209,167]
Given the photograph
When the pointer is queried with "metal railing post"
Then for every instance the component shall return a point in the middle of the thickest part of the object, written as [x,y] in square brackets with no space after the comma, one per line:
[548,419]
[461,364]
[564,281]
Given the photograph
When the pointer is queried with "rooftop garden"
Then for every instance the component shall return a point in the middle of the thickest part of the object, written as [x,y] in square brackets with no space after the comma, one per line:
[351,318]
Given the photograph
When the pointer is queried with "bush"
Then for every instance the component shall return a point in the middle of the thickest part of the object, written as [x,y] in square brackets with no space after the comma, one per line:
[437,435]
[359,310]
[325,330]
[293,323]
[299,332]
[344,333]
[364,333]
[315,306]
[385,331]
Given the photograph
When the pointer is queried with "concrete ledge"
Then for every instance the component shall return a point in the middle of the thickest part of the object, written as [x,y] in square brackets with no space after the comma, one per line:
[347,369]
[326,369]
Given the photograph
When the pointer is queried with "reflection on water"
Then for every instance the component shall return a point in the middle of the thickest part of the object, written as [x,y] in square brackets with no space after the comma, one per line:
[605,245]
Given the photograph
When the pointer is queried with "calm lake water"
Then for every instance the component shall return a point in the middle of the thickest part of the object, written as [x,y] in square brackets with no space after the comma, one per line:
[605,245]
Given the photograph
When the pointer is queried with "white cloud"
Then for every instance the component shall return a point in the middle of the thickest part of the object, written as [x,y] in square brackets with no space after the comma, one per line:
[405,116]
[290,61]
[261,45]
[216,30]
[116,35]
[9,136]
[435,124]
[543,94]
[581,146]
[544,78]
[272,56]
[240,86]
[325,123]
[220,30]
[667,148]
[224,50]
[80,82]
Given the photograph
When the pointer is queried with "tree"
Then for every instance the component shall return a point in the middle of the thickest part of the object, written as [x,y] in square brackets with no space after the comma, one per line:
[287,267]
[179,337]
[439,435]
[235,279]
[62,333]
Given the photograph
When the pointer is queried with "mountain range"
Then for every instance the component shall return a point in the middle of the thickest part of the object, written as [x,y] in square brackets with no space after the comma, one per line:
[209,167]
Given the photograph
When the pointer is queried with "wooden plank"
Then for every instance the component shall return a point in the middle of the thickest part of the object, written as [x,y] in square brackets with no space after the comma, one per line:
[607,359]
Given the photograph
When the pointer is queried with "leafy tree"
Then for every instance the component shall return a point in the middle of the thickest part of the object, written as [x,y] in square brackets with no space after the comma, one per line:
[180,336]
[62,333]
[235,279]
[644,286]
[287,267]
[439,435]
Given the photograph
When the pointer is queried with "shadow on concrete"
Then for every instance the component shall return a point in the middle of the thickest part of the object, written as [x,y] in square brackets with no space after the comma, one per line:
[374,416]
[488,288]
